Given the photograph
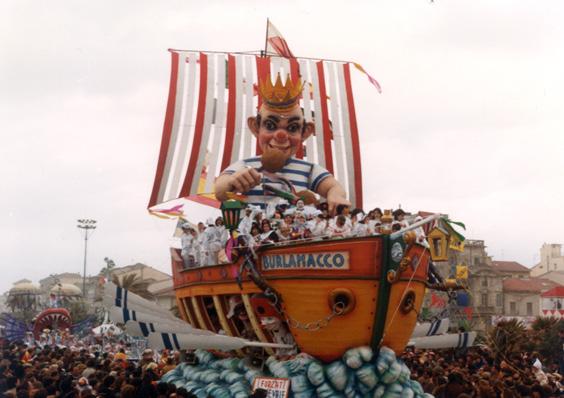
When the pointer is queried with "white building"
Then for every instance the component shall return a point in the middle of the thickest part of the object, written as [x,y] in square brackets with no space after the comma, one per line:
[551,259]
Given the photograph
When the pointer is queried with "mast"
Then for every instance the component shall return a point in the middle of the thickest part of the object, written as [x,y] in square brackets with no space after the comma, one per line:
[266,39]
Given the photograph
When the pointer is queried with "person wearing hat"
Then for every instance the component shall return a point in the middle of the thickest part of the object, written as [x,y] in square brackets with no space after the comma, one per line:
[188,241]
[246,222]
[215,238]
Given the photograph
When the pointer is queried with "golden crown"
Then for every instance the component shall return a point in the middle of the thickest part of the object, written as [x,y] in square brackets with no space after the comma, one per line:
[280,97]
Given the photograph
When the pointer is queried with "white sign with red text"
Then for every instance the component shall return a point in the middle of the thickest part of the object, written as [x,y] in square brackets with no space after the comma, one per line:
[276,387]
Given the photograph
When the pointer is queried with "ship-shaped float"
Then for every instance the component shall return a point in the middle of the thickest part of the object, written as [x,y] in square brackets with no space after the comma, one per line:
[333,295]
[329,294]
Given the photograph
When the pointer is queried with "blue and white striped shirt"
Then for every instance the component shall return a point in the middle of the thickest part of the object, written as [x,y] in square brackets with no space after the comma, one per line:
[302,174]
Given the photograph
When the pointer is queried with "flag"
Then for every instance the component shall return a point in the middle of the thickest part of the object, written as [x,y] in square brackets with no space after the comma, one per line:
[275,43]
[373,81]
[462,299]
[178,230]
[468,311]
[173,212]
[437,301]
[461,272]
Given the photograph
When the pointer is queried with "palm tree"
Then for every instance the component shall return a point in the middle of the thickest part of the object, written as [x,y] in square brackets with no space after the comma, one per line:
[506,338]
[134,284]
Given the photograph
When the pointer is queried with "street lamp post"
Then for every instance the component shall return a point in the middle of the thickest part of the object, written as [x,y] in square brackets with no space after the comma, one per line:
[88,226]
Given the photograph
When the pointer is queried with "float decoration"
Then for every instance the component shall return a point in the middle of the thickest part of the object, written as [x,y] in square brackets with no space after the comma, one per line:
[329,295]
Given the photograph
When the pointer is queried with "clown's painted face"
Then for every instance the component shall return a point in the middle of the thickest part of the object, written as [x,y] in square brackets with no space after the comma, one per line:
[282,132]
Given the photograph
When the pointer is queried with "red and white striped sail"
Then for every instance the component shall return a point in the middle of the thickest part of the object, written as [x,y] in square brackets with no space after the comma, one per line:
[210,98]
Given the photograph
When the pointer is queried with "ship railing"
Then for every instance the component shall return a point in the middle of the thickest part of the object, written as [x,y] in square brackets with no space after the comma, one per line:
[320,238]
[326,237]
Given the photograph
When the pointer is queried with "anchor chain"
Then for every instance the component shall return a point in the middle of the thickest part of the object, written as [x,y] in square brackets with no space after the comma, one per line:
[338,309]
[276,299]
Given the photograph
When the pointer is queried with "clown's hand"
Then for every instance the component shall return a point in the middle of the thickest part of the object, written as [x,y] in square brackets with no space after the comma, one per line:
[241,181]
[334,193]
[335,199]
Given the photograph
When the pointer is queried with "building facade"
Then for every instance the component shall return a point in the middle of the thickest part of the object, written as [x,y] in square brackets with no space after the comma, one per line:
[522,297]
[551,259]
[500,289]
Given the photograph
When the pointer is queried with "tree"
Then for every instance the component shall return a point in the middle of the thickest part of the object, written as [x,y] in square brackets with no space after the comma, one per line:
[134,284]
[545,336]
[107,270]
[507,338]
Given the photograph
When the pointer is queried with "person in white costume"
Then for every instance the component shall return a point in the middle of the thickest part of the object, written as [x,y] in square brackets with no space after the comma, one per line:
[319,226]
[340,229]
[215,238]
[359,227]
[189,244]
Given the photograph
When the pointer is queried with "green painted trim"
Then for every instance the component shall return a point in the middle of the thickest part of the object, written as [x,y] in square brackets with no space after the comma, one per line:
[383,295]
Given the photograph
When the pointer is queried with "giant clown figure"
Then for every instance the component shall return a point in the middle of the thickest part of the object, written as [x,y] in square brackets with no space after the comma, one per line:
[280,129]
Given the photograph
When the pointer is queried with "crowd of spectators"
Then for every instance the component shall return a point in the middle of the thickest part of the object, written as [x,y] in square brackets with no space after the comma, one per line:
[62,372]
[59,371]
[474,372]
[35,372]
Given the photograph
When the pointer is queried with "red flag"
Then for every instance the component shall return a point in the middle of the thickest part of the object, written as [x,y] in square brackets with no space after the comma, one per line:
[468,311]
[276,43]
[437,301]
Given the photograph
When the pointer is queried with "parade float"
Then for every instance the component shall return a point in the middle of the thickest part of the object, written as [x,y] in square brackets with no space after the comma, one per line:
[34,322]
[328,316]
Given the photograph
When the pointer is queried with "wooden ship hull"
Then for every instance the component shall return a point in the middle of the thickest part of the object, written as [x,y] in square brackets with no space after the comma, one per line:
[378,291]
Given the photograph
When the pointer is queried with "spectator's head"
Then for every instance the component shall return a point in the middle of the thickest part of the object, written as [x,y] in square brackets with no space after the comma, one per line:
[343,210]
[127,391]
[399,214]
[255,229]
[266,227]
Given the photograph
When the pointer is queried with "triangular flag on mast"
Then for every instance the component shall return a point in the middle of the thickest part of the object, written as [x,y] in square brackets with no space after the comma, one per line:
[275,43]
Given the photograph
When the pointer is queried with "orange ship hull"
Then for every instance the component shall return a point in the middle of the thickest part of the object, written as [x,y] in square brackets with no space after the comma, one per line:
[378,294]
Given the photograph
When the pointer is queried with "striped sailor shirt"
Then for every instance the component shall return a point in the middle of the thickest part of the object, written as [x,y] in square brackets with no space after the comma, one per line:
[302,174]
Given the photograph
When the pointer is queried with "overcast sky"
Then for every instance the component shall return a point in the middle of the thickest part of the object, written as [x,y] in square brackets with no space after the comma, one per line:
[470,121]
